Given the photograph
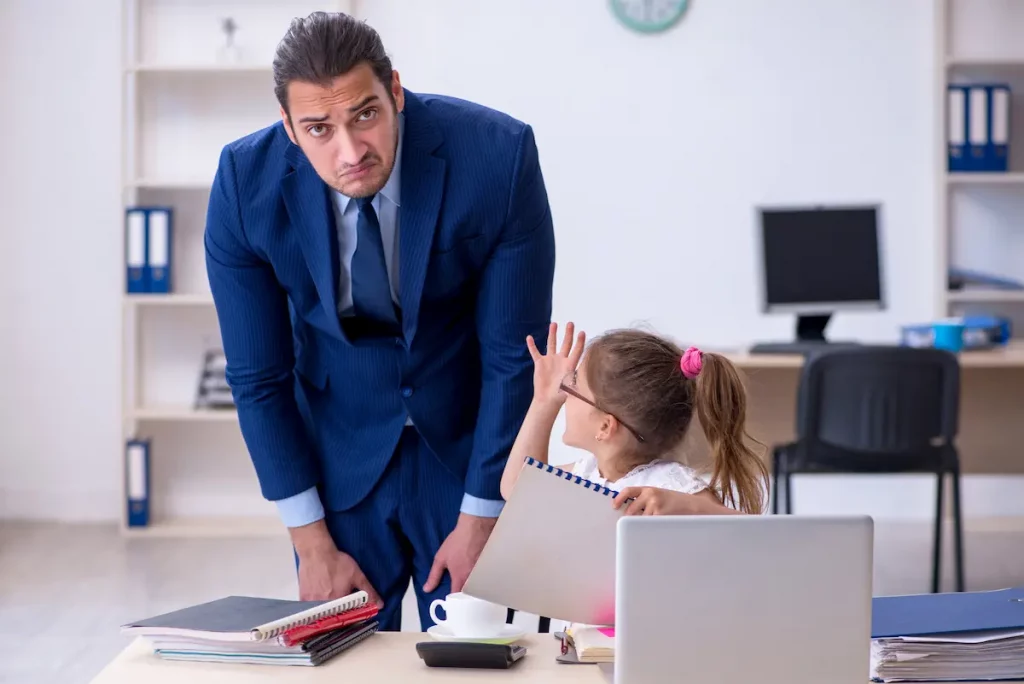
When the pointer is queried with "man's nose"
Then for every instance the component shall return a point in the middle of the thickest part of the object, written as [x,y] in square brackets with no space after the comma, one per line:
[351,149]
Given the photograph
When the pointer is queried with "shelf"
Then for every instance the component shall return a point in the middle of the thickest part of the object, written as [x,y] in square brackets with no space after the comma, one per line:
[210,528]
[200,68]
[184,414]
[172,183]
[985,62]
[983,178]
[983,295]
[169,299]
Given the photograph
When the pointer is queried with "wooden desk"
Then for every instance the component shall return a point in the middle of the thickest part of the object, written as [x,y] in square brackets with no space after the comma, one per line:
[1010,357]
[384,657]
[991,405]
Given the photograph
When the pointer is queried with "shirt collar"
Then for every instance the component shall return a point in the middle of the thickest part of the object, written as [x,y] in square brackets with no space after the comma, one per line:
[392,190]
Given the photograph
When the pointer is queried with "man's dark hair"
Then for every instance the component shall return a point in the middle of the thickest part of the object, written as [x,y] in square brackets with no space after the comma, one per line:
[319,48]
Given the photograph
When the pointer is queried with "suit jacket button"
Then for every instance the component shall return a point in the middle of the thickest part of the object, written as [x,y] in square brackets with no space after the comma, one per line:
[407,392]
[398,342]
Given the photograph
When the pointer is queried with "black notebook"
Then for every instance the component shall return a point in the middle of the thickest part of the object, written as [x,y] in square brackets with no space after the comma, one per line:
[241,618]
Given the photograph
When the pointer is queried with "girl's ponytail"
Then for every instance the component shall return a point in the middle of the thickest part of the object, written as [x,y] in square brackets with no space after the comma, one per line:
[739,477]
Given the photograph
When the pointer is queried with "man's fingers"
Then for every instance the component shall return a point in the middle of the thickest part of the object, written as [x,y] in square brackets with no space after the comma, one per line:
[361,582]
[567,339]
[436,573]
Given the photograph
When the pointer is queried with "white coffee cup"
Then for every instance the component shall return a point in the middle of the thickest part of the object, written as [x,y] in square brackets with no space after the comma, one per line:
[467,616]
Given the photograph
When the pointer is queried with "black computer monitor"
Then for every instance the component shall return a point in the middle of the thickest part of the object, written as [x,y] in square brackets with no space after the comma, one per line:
[817,261]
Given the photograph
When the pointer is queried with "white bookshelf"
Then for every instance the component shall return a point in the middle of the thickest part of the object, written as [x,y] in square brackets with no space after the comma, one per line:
[182,101]
[981,215]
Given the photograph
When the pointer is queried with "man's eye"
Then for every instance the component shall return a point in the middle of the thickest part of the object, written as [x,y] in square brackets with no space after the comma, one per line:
[368,115]
[317,130]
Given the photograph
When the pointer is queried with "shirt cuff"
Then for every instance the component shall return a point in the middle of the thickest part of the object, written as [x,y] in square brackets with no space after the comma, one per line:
[483,508]
[302,509]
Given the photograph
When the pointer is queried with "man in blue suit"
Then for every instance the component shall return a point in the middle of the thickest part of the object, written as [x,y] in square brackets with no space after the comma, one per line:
[377,260]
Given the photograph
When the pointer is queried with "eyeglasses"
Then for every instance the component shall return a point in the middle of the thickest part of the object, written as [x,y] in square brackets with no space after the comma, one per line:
[575,393]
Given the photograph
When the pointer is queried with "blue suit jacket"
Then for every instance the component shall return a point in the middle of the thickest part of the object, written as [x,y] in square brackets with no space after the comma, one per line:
[476,259]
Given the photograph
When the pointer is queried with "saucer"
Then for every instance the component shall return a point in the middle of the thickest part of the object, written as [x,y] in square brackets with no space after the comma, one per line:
[506,635]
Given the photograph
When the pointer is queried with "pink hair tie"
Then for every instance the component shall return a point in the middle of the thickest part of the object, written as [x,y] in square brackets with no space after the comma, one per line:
[691,362]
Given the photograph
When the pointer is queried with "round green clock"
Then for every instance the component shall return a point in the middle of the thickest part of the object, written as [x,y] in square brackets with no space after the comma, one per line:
[649,16]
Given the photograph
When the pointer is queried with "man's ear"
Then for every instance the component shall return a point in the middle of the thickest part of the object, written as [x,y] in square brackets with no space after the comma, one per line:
[288,125]
[396,91]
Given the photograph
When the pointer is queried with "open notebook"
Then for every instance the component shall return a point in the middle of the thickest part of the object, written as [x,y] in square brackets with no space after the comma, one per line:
[241,618]
[552,551]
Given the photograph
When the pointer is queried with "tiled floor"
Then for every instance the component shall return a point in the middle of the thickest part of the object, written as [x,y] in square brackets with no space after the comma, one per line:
[64,590]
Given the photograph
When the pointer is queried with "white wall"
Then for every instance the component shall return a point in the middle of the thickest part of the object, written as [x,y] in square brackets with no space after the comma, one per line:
[655,150]
[61,266]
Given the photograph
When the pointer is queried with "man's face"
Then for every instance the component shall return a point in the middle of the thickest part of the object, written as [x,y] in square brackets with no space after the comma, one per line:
[348,130]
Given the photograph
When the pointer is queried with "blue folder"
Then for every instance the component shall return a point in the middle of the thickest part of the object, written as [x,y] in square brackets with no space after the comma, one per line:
[921,614]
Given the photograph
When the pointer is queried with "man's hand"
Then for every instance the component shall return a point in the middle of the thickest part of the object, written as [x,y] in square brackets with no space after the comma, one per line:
[326,573]
[460,551]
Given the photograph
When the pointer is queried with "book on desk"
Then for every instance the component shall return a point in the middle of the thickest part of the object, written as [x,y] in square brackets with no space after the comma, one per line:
[260,630]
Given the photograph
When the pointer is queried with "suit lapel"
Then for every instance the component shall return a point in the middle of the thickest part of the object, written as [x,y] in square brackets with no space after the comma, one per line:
[309,208]
[423,176]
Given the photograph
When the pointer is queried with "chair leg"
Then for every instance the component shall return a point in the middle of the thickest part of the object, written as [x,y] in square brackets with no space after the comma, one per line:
[958,541]
[937,543]
[776,467]
[789,492]
[544,625]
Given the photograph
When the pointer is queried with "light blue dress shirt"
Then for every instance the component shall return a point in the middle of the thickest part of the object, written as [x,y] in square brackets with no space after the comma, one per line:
[305,507]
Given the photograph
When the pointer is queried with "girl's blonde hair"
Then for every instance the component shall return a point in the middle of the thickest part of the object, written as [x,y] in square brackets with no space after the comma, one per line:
[639,378]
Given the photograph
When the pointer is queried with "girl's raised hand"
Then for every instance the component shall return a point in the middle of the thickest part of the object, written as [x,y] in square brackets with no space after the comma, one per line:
[549,370]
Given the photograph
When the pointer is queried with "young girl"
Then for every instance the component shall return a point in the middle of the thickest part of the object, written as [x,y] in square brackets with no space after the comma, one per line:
[629,401]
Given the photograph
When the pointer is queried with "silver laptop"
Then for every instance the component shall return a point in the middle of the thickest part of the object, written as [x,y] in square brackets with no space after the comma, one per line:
[743,599]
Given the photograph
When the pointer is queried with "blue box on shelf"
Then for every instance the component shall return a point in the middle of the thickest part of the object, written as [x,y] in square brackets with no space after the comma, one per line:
[976,332]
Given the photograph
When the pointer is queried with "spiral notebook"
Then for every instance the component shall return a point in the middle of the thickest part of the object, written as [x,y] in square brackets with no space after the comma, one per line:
[241,618]
[552,550]
[311,653]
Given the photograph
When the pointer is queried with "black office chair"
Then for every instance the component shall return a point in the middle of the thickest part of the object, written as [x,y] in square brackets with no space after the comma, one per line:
[879,410]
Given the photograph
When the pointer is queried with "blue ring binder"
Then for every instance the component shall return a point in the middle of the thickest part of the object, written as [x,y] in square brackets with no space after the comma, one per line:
[576,479]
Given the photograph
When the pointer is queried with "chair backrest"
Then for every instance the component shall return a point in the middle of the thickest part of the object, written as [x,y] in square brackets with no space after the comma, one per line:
[880,399]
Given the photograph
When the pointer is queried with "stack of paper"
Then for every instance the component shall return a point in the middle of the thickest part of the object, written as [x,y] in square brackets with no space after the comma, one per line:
[259,630]
[948,637]
[969,656]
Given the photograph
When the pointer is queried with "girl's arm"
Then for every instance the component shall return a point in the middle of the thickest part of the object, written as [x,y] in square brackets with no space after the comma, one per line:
[655,501]
[532,440]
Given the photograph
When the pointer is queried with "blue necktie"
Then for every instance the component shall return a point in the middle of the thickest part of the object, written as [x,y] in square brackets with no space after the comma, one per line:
[371,289]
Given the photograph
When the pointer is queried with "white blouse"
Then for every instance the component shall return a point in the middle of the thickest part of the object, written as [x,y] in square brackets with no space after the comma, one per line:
[658,473]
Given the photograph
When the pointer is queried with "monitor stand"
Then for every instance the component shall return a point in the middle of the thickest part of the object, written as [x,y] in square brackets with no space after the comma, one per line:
[810,338]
